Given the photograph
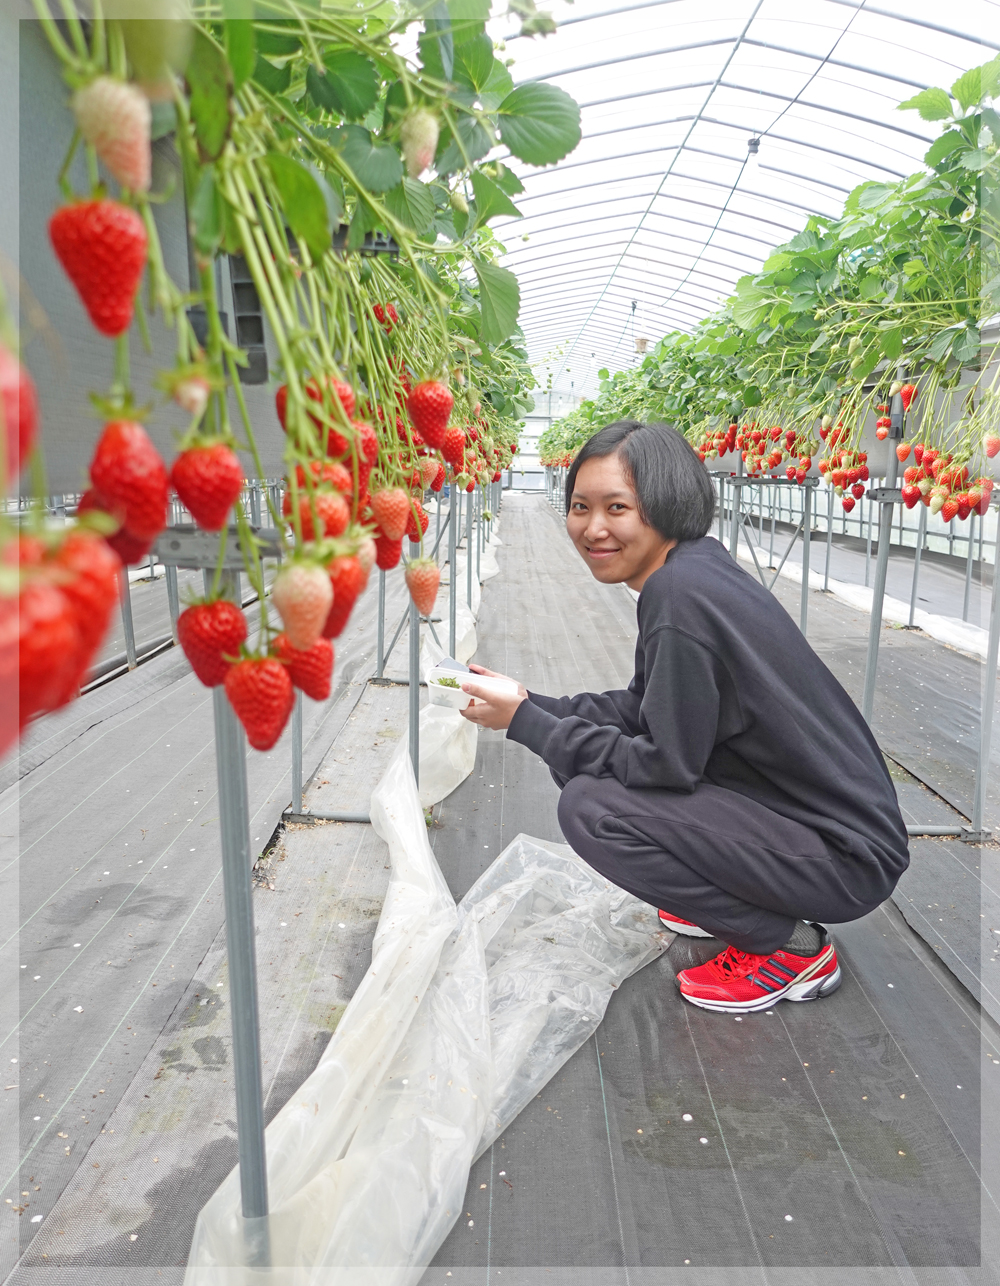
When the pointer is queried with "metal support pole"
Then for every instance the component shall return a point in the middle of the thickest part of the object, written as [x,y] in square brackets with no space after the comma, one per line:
[380,653]
[297,753]
[770,552]
[230,755]
[734,529]
[468,551]
[921,529]
[479,534]
[881,565]
[255,502]
[173,599]
[989,698]
[829,537]
[806,524]
[722,505]
[415,677]
[125,595]
[452,557]
[868,547]
[968,567]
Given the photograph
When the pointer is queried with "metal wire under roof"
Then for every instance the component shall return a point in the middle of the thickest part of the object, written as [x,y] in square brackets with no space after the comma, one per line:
[647,226]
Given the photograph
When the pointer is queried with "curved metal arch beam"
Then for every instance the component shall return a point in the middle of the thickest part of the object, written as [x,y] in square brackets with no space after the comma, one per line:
[852,4]
[692,314]
[528,249]
[784,227]
[698,306]
[711,120]
[642,274]
[769,198]
[638,277]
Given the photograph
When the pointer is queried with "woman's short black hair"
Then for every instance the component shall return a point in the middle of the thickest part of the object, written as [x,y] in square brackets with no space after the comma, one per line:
[671,485]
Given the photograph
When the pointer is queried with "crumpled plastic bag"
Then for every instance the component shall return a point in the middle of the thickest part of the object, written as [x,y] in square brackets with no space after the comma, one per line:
[447,752]
[465,1014]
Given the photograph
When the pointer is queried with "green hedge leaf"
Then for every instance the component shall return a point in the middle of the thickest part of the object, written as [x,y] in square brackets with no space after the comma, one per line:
[209,83]
[303,203]
[499,301]
[412,204]
[539,123]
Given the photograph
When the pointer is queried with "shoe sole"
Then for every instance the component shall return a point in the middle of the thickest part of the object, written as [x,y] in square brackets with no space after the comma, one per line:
[685,931]
[808,989]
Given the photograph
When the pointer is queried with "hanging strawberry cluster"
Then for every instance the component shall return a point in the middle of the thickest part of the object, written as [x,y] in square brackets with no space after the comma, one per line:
[283,166]
[763,450]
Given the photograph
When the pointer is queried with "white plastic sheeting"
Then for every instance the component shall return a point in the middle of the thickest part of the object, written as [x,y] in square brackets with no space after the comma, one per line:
[466,1012]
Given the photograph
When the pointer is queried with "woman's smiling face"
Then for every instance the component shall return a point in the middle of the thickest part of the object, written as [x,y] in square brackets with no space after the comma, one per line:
[605,525]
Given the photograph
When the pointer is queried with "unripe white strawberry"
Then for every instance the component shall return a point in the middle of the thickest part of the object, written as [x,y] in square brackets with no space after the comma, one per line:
[366,555]
[303,595]
[114,118]
[419,137]
[191,395]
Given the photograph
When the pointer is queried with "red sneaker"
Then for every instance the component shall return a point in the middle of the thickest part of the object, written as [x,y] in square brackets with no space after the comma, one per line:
[685,927]
[736,980]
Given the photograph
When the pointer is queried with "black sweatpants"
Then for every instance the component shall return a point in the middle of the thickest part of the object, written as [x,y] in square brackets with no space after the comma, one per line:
[717,858]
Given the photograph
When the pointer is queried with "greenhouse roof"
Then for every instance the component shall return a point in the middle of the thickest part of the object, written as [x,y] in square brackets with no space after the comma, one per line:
[646,227]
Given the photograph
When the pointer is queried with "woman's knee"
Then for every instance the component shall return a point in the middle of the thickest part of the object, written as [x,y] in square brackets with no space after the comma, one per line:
[580,808]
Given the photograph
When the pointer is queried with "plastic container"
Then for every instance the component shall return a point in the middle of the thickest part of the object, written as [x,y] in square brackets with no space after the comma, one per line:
[443,694]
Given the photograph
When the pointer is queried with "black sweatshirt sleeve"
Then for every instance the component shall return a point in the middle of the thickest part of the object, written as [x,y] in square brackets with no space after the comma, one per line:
[676,726]
[619,709]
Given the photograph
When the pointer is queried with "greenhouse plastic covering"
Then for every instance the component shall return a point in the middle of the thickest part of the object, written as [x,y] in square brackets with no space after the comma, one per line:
[465,1014]
[662,206]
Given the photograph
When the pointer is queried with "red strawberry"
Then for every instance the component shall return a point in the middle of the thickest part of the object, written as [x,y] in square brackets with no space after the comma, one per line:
[453,447]
[389,552]
[440,475]
[303,595]
[949,509]
[367,440]
[428,472]
[102,245]
[417,515]
[470,486]
[386,316]
[991,444]
[348,578]
[881,433]
[908,392]
[496,476]
[86,571]
[208,633]
[918,451]
[902,450]
[422,579]
[367,551]
[127,470]
[391,507]
[48,639]
[309,670]
[430,405]
[340,393]
[331,509]
[418,135]
[964,505]
[858,490]
[848,503]
[261,693]
[19,407]
[208,478]
[114,118]
[911,494]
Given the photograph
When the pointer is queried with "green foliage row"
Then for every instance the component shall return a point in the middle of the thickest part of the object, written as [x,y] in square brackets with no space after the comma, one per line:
[900,282]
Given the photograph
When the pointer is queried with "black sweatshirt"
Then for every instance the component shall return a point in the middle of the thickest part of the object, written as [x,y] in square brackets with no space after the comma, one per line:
[727,690]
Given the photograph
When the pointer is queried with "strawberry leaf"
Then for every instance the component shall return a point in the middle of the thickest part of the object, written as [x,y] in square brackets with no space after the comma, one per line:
[304,205]
[240,50]
[499,301]
[491,200]
[411,203]
[377,166]
[539,123]
[209,84]
[349,86]
[932,104]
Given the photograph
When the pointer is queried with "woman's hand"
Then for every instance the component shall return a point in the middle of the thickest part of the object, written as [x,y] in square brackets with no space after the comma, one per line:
[490,710]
